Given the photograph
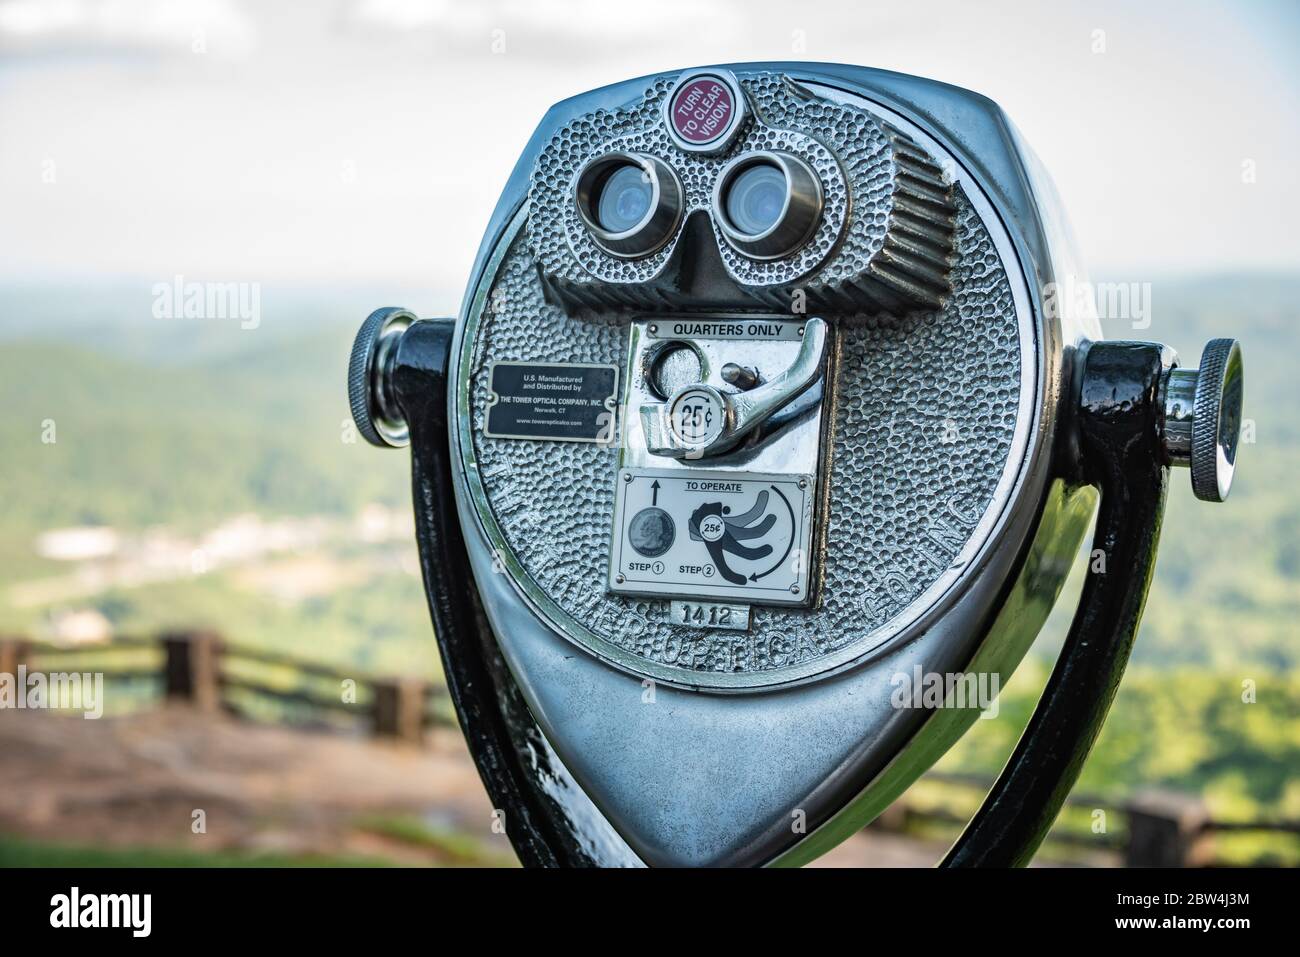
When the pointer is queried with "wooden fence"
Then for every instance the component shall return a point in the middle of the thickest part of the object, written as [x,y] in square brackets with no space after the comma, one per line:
[202,670]
[1152,828]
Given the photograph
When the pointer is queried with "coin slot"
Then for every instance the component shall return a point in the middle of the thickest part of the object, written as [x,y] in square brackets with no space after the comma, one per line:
[671,366]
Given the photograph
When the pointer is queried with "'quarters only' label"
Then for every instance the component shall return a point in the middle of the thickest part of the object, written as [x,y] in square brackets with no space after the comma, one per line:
[735,327]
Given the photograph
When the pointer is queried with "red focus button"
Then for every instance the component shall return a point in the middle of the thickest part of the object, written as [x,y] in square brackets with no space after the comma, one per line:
[702,110]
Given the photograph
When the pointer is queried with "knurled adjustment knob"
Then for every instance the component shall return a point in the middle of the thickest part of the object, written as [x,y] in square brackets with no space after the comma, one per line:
[1203,418]
[375,410]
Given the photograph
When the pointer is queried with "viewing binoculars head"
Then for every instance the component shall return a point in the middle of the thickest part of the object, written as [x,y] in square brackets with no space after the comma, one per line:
[769,408]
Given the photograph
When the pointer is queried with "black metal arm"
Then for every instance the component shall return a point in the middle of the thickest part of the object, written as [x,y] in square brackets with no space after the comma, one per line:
[512,757]
[1120,419]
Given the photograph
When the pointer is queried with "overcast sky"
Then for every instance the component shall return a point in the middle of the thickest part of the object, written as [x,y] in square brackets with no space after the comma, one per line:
[345,141]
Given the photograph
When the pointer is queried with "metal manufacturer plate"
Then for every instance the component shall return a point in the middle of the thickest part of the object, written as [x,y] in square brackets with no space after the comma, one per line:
[711,534]
[709,614]
[557,401]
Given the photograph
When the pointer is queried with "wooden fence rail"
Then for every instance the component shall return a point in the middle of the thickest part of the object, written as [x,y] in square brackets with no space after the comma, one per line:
[200,669]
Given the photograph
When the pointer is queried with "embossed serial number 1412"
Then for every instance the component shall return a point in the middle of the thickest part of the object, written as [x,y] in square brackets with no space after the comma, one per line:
[709,615]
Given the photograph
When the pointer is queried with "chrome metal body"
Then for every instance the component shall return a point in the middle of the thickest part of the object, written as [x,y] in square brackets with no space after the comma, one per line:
[715,779]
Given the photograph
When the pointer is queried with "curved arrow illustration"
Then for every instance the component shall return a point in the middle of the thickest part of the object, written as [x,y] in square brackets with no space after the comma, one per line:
[789,546]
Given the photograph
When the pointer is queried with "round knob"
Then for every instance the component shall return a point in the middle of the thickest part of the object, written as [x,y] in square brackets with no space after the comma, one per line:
[1203,418]
[374,407]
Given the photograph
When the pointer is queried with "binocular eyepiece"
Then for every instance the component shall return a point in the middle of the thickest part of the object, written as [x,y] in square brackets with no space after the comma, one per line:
[757,411]
[765,204]
[630,204]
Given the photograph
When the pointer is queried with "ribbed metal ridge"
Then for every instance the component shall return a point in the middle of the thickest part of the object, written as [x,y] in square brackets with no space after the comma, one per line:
[1206,413]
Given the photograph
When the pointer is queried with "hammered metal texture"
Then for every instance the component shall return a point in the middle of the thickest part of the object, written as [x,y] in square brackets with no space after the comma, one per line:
[922,431]
[886,249]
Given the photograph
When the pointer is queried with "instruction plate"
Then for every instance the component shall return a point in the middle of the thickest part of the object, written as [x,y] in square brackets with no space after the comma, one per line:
[682,533]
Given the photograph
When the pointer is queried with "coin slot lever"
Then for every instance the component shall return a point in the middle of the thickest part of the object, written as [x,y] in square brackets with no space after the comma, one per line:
[700,420]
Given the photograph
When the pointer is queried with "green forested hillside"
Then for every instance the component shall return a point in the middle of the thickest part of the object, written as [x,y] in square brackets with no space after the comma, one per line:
[152,434]
[139,443]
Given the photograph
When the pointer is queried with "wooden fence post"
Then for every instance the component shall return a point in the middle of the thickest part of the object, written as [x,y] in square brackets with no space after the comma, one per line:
[13,652]
[192,669]
[399,708]
[893,818]
[1162,828]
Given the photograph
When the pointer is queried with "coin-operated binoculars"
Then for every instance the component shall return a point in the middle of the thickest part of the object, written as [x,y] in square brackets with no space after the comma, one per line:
[757,457]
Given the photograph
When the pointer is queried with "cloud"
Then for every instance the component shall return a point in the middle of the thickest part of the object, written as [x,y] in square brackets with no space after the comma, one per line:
[181,26]
[599,28]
